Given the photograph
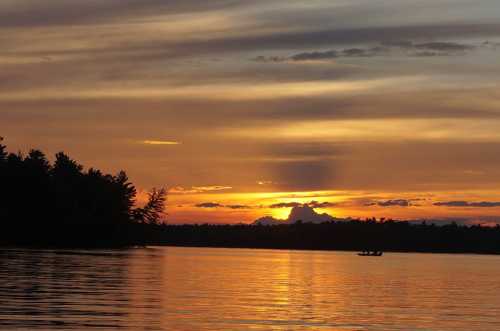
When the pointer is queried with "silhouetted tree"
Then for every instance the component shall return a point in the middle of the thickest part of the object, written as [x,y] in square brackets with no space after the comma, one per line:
[59,203]
[3,180]
[3,152]
[152,212]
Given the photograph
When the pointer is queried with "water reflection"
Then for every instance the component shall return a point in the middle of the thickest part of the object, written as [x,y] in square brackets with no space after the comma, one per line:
[225,289]
[62,289]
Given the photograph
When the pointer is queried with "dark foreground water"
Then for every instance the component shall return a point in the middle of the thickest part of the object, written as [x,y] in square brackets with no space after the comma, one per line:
[237,289]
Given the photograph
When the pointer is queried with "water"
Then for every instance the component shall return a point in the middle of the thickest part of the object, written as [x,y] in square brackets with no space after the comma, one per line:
[238,289]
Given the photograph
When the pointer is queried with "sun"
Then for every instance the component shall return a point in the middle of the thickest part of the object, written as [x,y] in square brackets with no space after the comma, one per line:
[281,213]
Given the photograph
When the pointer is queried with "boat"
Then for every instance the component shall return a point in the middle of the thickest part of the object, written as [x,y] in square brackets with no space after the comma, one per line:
[368,253]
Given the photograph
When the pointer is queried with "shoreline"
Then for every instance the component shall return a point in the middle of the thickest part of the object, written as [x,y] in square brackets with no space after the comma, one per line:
[162,245]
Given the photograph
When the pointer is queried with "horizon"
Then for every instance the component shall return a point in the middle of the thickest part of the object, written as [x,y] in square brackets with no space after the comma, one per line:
[244,110]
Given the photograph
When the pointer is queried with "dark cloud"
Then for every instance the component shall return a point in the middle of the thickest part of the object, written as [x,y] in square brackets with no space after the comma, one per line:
[276,59]
[325,204]
[334,54]
[391,203]
[401,48]
[308,214]
[428,54]
[482,204]
[218,205]
[312,204]
[311,56]
[440,49]
[286,205]
[362,52]
[238,207]
[397,202]
[444,46]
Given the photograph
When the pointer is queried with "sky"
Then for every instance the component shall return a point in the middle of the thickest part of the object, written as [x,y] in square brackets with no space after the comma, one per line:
[243,109]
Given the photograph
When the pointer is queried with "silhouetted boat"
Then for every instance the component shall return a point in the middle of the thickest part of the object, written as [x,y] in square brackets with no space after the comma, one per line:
[370,254]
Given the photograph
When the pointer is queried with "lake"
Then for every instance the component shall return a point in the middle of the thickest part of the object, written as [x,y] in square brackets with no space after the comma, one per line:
[170,288]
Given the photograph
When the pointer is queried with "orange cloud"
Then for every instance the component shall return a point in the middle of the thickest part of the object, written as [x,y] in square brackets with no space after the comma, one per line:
[198,189]
[160,142]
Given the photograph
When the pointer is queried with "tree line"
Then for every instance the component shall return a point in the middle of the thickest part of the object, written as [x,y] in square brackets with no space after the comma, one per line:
[60,203]
[355,235]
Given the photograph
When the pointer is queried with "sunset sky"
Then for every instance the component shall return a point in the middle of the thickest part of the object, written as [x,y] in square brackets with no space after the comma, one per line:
[360,108]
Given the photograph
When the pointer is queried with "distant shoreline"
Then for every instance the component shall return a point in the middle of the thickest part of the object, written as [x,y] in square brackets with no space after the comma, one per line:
[355,236]
[337,236]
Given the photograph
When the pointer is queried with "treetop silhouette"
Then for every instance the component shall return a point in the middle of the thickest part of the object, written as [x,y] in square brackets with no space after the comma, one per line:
[39,196]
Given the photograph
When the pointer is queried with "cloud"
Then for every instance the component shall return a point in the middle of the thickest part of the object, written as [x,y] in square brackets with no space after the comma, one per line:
[276,59]
[452,204]
[308,214]
[444,46]
[440,49]
[397,202]
[198,189]
[238,207]
[211,188]
[311,56]
[396,48]
[325,204]
[481,204]
[160,142]
[286,205]
[391,203]
[218,205]
[209,205]
[363,52]
[312,204]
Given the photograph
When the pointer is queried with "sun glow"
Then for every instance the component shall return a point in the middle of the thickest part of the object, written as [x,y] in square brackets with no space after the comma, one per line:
[280,213]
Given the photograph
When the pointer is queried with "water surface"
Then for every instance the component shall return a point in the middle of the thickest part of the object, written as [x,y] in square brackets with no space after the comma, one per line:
[190,289]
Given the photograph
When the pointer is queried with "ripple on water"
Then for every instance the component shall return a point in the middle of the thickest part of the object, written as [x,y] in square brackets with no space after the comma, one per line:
[243,289]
